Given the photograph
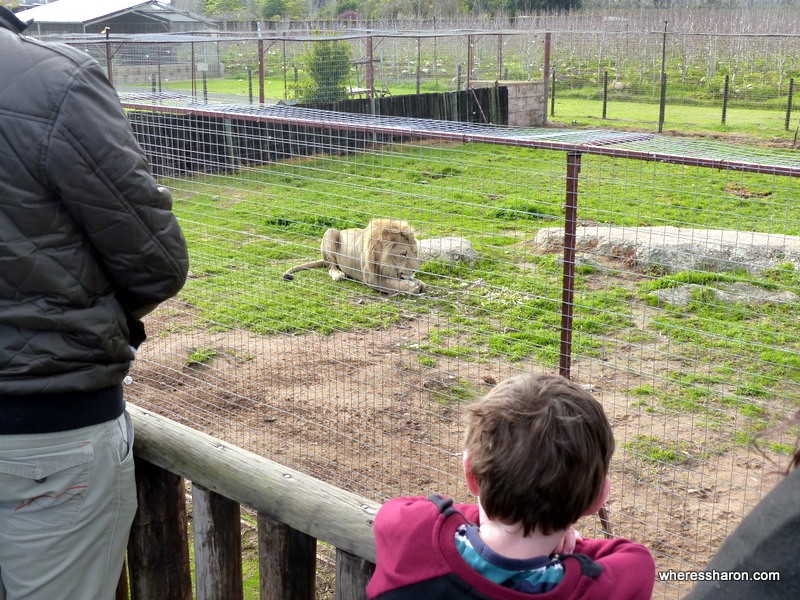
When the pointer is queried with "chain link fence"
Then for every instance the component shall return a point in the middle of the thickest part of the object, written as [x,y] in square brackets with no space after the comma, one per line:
[663,274]
[669,287]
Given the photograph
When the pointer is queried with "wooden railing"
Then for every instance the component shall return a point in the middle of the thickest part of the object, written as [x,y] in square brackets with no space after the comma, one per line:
[294,511]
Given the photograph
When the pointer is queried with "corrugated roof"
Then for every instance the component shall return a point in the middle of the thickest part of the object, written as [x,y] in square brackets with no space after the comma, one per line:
[83,11]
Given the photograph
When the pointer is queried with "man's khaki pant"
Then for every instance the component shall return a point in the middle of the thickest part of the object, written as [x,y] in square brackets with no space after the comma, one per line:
[67,501]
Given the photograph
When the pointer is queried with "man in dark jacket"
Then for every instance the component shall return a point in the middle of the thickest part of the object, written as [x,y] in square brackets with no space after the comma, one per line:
[88,246]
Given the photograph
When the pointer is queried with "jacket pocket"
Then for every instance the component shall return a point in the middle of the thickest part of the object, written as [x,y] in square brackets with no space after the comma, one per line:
[44,488]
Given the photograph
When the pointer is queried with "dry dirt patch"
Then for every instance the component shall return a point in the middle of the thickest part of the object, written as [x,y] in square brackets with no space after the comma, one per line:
[360,410]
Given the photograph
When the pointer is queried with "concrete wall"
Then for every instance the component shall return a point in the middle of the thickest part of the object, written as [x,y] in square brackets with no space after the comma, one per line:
[527,103]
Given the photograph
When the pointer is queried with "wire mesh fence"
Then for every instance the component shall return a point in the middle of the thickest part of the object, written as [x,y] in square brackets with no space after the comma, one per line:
[742,82]
[632,71]
[276,68]
[668,286]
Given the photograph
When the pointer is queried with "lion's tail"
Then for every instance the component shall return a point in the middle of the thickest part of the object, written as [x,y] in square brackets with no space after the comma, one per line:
[317,264]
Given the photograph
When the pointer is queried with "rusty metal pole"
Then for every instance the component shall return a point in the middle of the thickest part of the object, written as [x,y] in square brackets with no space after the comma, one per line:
[663,100]
[568,286]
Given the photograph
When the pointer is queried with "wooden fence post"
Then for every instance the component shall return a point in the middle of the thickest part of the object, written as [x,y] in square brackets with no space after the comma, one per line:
[158,550]
[288,561]
[352,575]
[217,546]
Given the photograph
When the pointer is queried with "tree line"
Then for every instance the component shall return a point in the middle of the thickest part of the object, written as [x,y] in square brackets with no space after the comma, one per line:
[381,9]
[446,9]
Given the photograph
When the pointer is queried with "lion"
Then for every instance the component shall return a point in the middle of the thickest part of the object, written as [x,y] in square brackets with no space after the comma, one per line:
[383,255]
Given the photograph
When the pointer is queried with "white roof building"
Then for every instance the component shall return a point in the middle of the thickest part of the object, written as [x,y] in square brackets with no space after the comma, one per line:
[121,16]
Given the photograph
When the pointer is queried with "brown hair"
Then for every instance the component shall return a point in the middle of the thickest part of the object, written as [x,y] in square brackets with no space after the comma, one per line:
[540,448]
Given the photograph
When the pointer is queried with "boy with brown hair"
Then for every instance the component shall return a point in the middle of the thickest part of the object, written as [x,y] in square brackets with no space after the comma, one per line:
[537,454]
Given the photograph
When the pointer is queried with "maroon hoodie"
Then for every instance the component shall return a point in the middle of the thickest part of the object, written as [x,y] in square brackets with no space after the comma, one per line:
[417,559]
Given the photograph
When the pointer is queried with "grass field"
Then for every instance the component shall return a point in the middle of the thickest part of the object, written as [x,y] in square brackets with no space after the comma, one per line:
[279,212]
[744,124]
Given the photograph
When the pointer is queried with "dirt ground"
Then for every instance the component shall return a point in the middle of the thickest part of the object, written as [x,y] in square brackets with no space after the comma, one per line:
[361,411]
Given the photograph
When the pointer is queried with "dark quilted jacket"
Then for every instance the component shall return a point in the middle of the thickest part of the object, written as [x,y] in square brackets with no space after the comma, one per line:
[88,242]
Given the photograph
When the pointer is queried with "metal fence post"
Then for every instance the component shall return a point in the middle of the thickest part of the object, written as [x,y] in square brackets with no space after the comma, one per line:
[470,59]
[570,240]
[109,56]
[419,63]
[261,97]
[725,96]
[369,69]
[546,75]
[663,102]
[500,56]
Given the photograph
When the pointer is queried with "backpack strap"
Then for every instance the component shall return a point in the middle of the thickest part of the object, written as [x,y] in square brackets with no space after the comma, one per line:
[589,568]
[444,504]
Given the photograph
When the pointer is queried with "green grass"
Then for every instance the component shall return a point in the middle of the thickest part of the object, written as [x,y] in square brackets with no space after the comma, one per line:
[749,345]
[757,124]
[200,356]
[456,391]
[244,231]
[281,211]
[664,452]
[275,89]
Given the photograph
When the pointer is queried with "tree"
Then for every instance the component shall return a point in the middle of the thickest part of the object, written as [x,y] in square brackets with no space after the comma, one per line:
[272,9]
[346,5]
[521,7]
[219,7]
[328,66]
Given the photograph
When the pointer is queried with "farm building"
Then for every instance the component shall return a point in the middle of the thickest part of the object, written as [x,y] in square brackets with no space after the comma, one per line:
[120,16]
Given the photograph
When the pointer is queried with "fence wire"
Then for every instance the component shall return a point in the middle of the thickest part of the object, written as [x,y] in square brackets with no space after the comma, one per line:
[719,80]
[686,270]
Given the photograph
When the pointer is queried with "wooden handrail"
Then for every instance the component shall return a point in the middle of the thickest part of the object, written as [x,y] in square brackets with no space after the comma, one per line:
[294,511]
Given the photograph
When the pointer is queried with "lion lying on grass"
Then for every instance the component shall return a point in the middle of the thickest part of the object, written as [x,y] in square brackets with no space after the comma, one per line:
[384,255]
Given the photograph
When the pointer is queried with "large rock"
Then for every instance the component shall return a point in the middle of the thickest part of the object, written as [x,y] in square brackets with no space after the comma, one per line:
[672,249]
[741,291]
[448,249]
